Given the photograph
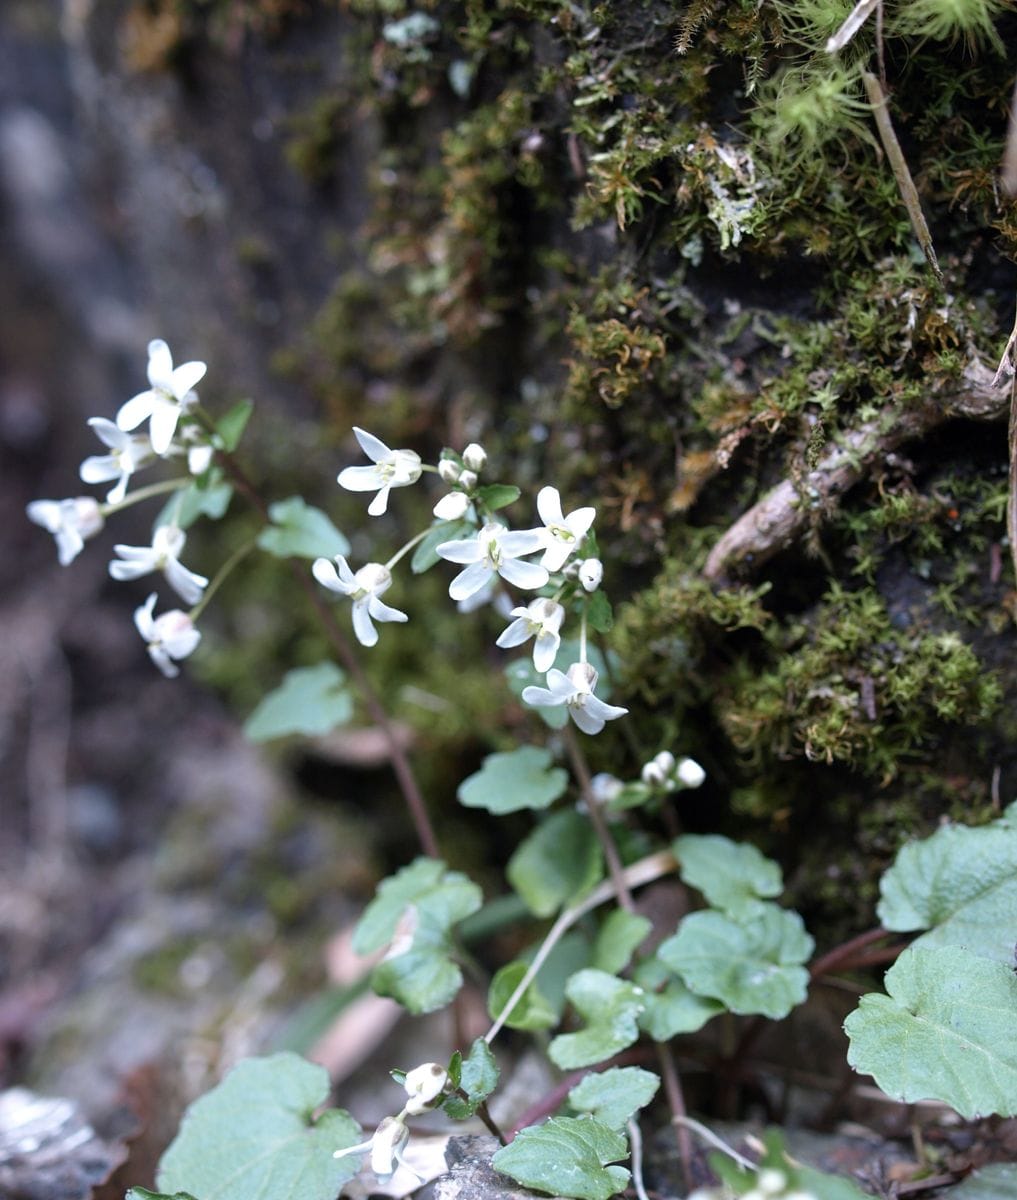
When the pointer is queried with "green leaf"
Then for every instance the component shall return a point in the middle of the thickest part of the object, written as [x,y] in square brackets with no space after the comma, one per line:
[231,426]
[531,1011]
[752,965]
[310,700]
[798,1178]
[140,1193]
[612,1096]
[961,885]
[566,1156]
[521,673]
[478,1079]
[300,531]
[599,613]
[256,1135]
[557,863]
[497,495]
[419,906]
[943,1032]
[731,875]
[426,554]
[610,1007]
[209,497]
[619,936]
[995,1182]
[676,1010]
[507,782]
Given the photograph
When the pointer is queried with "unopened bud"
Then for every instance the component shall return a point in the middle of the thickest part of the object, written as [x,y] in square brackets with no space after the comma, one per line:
[468,480]
[474,457]
[665,760]
[605,787]
[452,507]
[652,775]
[449,470]
[591,572]
[690,773]
[424,1084]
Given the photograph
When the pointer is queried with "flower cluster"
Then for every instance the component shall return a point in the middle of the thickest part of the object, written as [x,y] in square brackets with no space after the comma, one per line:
[165,404]
[548,559]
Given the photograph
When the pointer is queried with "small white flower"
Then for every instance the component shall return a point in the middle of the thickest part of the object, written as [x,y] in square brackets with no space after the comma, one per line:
[494,549]
[574,688]
[363,588]
[468,480]
[163,555]
[166,399]
[168,637]
[605,787]
[386,1147]
[71,522]
[424,1085]
[690,773]
[562,535]
[474,457]
[540,619]
[392,468]
[452,507]
[129,453]
[591,572]
[665,761]
[652,775]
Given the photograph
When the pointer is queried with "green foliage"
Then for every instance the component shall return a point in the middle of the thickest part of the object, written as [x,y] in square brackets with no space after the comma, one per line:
[613,1096]
[310,700]
[752,965]
[798,1178]
[300,531]
[531,1011]
[610,1008]
[416,910]
[618,938]
[944,1031]
[960,885]
[998,1181]
[513,780]
[733,876]
[207,496]
[566,1156]
[426,554]
[231,425]
[140,1193]
[557,863]
[476,1076]
[259,1125]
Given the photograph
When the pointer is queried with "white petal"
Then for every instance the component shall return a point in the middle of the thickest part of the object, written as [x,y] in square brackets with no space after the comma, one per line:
[384,612]
[540,697]
[324,571]
[186,584]
[549,506]
[160,364]
[522,574]
[379,504]
[469,551]
[545,651]
[109,433]
[375,449]
[163,425]
[97,468]
[182,644]
[159,655]
[522,541]
[515,634]
[143,619]
[588,722]
[123,571]
[604,712]
[45,513]
[579,522]
[116,494]
[137,409]
[360,479]
[69,545]
[471,580]
[185,377]
[452,506]
[557,554]
[366,633]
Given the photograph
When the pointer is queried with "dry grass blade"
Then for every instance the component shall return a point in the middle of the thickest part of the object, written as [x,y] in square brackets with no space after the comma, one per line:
[855,20]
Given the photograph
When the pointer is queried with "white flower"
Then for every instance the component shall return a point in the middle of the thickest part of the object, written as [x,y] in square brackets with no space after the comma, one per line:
[562,535]
[652,775]
[541,619]
[605,787]
[386,1147]
[71,522]
[129,453]
[363,589]
[690,773]
[165,400]
[170,636]
[574,689]
[591,572]
[392,468]
[771,1182]
[163,555]
[424,1085]
[494,549]
[474,457]
[452,507]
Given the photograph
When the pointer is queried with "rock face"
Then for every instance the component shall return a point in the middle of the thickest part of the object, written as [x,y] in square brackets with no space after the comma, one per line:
[471,1176]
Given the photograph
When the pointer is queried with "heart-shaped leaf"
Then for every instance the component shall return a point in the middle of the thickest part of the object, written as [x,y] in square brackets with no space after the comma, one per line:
[610,1007]
[300,531]
[618,938]
[733,876]
[507,782]
[566,1156]
[310,700]
[531,1011]
[612,1096]
[557,863]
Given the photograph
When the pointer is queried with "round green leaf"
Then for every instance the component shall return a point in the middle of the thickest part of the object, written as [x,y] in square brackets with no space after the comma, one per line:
[300,531]
[612,1096]
[531,1011]
[566,1156]
[944,1031]
[752,965]
[995,1182]
[676,1010]
[618,938]
[610,1008]
[560,861]
[731,875]
[513,780]
[310,700]
[256,1135]
[478,1077]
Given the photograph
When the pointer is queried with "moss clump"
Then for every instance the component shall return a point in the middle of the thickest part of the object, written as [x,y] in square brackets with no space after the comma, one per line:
[849,686]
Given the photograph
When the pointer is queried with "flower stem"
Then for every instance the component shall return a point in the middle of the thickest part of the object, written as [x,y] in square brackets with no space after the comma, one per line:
[145,493]
[220,578]
[406,549]
[600,828]
[582,637]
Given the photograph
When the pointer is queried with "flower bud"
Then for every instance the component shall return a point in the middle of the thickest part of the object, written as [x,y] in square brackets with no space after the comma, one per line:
[591,572]
[424,1085]
[605,787]
[665,760]
[652,775]
[690,773]
[452,507]
[449,470]
[771,1182]
[468,480]
[474,457]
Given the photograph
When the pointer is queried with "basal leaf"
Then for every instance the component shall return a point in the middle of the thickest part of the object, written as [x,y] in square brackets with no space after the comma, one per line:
[557,863]
[733,876]
[300,531]
[612,1096]
[752,965]
[310,700]
[619,936]
[531,1011]
[610,1007]
[507,782]
[961,885]
[944,1031]
[416,910]
[675,1010]
[256,1135]
[478,1077]
[798,1178]
[566,1156]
